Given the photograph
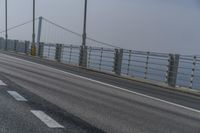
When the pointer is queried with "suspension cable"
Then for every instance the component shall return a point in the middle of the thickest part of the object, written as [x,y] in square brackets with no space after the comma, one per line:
[22,24]
[78,34]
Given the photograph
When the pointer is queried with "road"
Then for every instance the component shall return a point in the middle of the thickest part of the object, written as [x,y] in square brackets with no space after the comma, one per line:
[96,106]
[17,113]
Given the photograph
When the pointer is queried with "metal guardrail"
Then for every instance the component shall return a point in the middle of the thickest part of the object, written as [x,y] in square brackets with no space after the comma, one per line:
[172,69]
[189,71]
[101,59]
[70,54]
[147,65]
[15,45]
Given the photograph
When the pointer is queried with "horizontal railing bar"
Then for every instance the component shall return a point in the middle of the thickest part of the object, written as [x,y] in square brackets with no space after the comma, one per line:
[152,63]
[127,59]
[137,61]
[70,52]
[137,66]
[97,48]
[155,74]
[131,70]
[185,68]
[102,64]
[103,57]
[185,80]
[185,74]
[145,53]
[71,47]
[186,62]
[155,69]
[100,68]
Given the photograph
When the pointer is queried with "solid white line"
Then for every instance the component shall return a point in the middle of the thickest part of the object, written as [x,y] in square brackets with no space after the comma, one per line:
[2,83]
[102,83]
[17,96]
[46,119]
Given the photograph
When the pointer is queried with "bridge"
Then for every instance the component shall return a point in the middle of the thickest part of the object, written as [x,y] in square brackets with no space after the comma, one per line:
[98,88]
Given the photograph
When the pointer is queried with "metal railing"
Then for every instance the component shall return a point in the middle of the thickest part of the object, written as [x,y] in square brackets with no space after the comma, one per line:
[172,69]
[147,65]
[189,71]
[70,54]
[101,59]
[15,45]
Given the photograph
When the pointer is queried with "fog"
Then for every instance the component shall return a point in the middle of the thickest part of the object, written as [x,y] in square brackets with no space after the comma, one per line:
[170,26]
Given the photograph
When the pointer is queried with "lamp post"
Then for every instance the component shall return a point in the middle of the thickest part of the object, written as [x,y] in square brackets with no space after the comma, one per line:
[33,46]
[83,51]
[84,36]
[6,24]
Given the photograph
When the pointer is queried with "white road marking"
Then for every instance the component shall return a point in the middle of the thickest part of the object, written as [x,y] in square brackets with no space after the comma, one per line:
[2,83]
[51,123]
[106,84]
[17,96]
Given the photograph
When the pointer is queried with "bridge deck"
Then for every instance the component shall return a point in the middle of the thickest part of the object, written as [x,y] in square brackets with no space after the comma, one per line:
[109,103]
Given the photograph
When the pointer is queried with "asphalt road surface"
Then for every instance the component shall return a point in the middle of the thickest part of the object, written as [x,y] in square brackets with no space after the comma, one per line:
[24,112]
[81,104]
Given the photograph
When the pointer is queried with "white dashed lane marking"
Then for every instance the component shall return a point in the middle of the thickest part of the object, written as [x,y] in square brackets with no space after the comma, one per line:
[17,96]
[51,123]
[2,83]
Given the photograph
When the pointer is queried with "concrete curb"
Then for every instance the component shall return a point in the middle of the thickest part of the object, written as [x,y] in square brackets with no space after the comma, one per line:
[153,83]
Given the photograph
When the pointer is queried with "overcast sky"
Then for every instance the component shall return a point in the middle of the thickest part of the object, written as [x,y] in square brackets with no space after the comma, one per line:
[150,25]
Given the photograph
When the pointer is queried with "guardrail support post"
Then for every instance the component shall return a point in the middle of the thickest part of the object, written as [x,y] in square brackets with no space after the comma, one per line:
[83,56]
[26,47]
[193,71]
[58,52]
[1,43]
[118,61]
[40,49]
[15,45]
[173,69]
[7,43]
[146,65]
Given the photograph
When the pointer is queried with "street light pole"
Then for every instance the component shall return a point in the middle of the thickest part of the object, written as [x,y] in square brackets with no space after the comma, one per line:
[83,51]
[6,24]
[84,36]
[33,47]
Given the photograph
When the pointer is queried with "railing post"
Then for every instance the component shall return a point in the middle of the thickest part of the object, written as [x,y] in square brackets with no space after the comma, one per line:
[173,69]
[26,47]
[83,56]
[167,71]
[146,65]
[129,61]
[1,42]
[7,42]
[118,61]
[58,53]
[41,50]
[89,56]
[15,45]
[70,54]
[101,58]
[193,71]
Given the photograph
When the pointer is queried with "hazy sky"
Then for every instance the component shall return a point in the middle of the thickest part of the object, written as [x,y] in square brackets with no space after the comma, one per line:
[150,25]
